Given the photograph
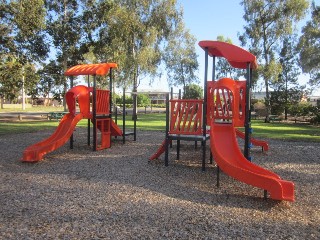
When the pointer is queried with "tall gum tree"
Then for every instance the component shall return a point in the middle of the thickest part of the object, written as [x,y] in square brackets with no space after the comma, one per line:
[309,46]
[287,90]
[64,26]
[268,21]
[180,58]
[22,45]
[133,33]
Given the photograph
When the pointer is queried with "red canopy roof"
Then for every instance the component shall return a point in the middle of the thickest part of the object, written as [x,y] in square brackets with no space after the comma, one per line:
[236,56]
[90,69]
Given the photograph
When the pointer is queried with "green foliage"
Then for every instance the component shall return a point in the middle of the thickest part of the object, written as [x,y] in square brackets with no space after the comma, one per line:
[159,105]
[65,29]
[12,73]
[309,46]
[301,109]
[306,109]
[286,89]
[268,22]
[22,45]
[50,79]
[259,107]
[193,91]
[143,100]
[26,26]
[282,100]
[315,114]
[117,98]
[181,58]
[131,33]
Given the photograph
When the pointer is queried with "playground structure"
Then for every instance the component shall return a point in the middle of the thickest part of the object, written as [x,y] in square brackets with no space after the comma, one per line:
[228,110]
[184,122]
[226,105]
[99,113]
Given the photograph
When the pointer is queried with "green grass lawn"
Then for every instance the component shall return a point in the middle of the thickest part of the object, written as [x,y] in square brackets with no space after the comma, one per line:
[286,131]
[34,109]
[261,130]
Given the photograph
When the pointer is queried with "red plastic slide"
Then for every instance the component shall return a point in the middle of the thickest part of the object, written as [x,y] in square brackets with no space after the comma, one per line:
[256,142]
[115,130]
[62,134]
[161,150]
[230,159]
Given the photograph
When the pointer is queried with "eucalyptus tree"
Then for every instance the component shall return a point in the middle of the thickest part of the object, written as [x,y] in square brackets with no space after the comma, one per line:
[6,38]
[132,33]
[22,44]
[309,46]
[193,91]
[268,21]
[65,26]
[287,90]
[50,80]
[180,58]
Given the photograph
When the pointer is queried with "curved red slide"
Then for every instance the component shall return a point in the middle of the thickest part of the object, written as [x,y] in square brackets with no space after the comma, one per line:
[62,134]
[256,142]
[230,159]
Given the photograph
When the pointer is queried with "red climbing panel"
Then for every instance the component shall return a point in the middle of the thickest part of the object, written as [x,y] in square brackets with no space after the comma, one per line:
[186,116]
[102,101]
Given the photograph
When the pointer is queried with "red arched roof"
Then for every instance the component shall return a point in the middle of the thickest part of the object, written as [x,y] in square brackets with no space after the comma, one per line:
[236,56]
[90,69]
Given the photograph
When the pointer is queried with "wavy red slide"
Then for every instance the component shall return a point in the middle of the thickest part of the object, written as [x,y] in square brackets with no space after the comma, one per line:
[62,134]
[230,159]
[256,142]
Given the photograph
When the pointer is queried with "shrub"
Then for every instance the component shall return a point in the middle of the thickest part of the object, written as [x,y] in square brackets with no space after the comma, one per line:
[260,109]
[301,109]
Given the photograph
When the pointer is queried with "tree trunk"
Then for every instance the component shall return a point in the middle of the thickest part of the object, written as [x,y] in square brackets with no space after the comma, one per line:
[135,99]
[267,102]
[265,75]
[65,64]
[2,101]
[286,99]
[23,92]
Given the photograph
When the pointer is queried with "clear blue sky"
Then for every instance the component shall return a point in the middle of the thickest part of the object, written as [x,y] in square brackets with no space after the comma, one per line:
[207,19]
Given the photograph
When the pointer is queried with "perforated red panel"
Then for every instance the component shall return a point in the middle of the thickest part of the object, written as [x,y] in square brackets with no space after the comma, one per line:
[186,116]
